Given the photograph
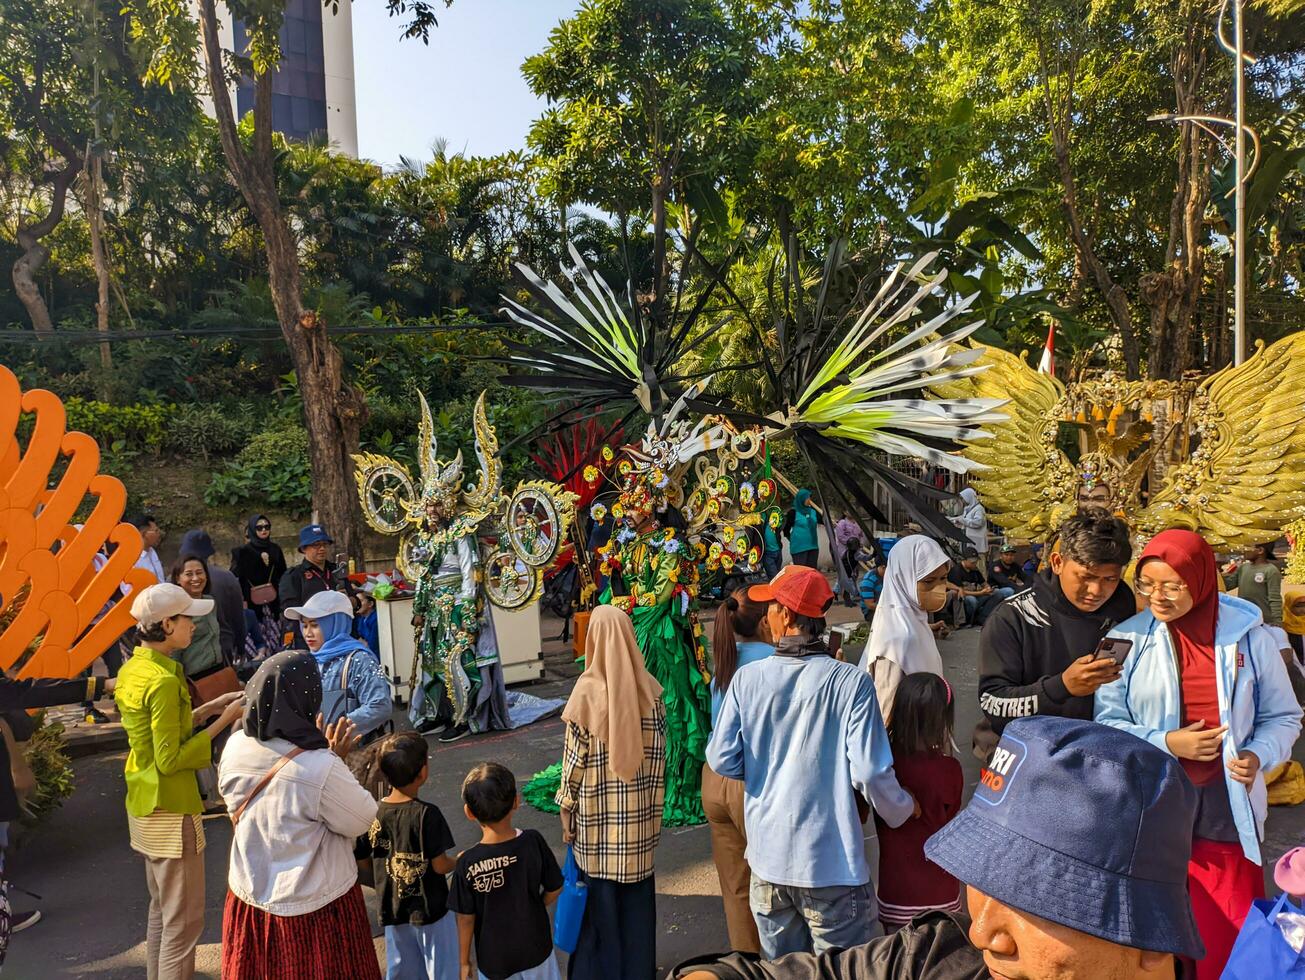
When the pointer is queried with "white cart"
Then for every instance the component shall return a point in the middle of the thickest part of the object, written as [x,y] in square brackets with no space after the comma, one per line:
[520,646]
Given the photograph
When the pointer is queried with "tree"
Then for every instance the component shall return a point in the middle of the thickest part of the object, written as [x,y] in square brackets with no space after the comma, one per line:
[652,104]
[855,109]
[72,102]
[334,409]
[1064,90]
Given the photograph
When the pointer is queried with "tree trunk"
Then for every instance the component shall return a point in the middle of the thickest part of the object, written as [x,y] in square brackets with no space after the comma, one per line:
[35,253]
[334,410]
[331,405]
[1172,293]
[100,259]
[660,189]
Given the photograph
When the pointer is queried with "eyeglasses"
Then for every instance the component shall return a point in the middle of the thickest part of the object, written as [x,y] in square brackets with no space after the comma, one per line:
[262,527]
[1169,590]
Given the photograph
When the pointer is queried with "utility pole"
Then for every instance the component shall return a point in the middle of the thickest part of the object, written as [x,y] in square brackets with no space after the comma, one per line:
[1239,205]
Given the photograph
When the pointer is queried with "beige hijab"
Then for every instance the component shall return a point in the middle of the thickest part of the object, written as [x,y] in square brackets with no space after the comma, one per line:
[615,692]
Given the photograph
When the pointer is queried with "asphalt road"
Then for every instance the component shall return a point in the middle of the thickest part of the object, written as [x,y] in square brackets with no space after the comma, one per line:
[93,887]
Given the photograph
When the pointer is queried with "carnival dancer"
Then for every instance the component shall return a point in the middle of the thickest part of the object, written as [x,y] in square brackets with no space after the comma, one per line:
[653,577]
[655,581]
[465,548]
[460,690]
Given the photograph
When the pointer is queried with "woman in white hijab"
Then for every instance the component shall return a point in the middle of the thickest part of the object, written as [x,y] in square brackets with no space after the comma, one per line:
[973,520]
[901,642]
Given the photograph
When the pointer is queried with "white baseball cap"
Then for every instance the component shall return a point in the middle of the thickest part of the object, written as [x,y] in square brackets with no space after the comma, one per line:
[163,601]
[321,604]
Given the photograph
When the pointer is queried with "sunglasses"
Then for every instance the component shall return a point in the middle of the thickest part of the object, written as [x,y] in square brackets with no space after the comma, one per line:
[262,527]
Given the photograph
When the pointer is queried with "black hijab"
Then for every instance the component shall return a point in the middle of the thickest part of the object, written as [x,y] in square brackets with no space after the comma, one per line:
[255,541]
[284,698]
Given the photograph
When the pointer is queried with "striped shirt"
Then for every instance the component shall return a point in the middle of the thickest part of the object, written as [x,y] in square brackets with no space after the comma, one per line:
[617,825]
[900,915]
[160,834]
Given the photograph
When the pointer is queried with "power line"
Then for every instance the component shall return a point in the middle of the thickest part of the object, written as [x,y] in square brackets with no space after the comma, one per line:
[227,333]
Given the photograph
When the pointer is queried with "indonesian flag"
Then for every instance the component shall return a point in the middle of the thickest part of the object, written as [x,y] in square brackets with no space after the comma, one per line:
[1048,363]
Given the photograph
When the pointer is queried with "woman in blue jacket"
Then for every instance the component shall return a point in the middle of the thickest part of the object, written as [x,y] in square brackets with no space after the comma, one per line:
[1205,682]
[353,682]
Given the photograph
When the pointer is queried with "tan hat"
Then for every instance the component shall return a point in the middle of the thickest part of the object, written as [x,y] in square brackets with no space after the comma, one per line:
[160,602]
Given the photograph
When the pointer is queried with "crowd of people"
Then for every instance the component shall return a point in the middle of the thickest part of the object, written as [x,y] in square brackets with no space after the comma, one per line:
[832,790]
[1199,678]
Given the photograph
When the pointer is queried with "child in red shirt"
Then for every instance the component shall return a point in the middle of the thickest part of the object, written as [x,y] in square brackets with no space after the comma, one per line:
[921,737]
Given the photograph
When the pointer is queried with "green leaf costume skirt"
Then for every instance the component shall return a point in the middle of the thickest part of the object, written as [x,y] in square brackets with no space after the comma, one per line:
[667,642]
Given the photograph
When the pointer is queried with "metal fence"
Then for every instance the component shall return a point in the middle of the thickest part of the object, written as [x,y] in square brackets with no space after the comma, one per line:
[918,470]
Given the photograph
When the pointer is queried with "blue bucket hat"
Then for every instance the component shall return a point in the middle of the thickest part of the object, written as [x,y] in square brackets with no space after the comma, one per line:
[312,534]
[1084,825]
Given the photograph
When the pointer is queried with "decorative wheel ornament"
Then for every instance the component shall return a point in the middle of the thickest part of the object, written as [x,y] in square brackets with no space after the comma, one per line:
[414,554]
[536,524]
[509,582]
[387,493]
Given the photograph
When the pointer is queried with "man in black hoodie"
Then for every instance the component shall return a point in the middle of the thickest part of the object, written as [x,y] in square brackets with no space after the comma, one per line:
[1036,651]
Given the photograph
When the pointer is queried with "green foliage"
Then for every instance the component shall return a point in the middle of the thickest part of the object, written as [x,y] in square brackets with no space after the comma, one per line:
[55,779]
[211,430]
[856,107]
[897,126]
[271,471]
[138,427]
[646,94]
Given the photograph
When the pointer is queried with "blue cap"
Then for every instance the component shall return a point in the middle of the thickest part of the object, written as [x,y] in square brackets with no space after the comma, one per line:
[312,534]
[196,543]
[1084,825]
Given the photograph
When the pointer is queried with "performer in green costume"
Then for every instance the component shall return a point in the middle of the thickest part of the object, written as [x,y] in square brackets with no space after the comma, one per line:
[653,576]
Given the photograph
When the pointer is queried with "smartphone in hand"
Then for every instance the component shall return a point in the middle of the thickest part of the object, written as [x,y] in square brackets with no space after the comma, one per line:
[1114,648]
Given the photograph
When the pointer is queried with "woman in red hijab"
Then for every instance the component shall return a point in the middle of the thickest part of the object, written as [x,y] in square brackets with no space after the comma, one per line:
[1205,681]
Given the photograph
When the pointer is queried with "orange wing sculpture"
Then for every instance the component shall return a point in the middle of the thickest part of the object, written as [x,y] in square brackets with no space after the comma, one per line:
[50,589]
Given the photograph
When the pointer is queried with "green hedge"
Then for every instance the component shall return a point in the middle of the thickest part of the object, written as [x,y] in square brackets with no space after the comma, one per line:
[203,430]
[139,427]
[212,430]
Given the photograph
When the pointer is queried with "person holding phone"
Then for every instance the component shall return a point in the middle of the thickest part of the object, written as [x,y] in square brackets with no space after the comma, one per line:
[1037,653]
[1188,646]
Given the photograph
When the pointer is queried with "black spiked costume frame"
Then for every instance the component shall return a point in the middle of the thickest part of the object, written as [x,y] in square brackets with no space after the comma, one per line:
[846,388]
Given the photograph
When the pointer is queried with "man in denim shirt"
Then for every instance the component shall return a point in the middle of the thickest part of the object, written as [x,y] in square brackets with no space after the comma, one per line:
[803,732]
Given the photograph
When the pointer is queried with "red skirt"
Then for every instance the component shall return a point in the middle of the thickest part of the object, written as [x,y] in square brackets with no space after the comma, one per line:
[1222,883]
[333,943]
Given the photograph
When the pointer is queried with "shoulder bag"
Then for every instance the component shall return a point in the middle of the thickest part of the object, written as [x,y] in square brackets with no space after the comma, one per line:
[570,911]
[239,811]
[213,684]
[265,594]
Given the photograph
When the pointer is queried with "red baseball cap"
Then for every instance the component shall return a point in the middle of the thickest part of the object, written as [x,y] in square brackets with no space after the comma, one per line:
[799,588]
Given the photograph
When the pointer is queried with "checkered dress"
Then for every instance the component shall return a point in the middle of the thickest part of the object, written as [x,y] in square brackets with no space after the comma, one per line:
[617,824]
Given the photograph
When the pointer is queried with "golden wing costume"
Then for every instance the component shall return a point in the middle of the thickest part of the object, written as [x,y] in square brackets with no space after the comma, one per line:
[1225,457]
[1027,478]
[1246,478]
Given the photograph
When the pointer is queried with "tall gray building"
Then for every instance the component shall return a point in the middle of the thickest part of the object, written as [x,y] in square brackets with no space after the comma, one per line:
[313,90]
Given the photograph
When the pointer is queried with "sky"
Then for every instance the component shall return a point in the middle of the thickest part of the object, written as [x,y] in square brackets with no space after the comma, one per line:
[465,86]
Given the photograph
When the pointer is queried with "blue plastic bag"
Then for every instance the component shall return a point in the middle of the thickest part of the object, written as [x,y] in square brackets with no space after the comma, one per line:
[570,906]
[1261,950]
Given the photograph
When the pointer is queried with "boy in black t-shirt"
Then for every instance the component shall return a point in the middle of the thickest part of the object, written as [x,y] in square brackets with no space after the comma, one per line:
[502,887]
[409,841]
